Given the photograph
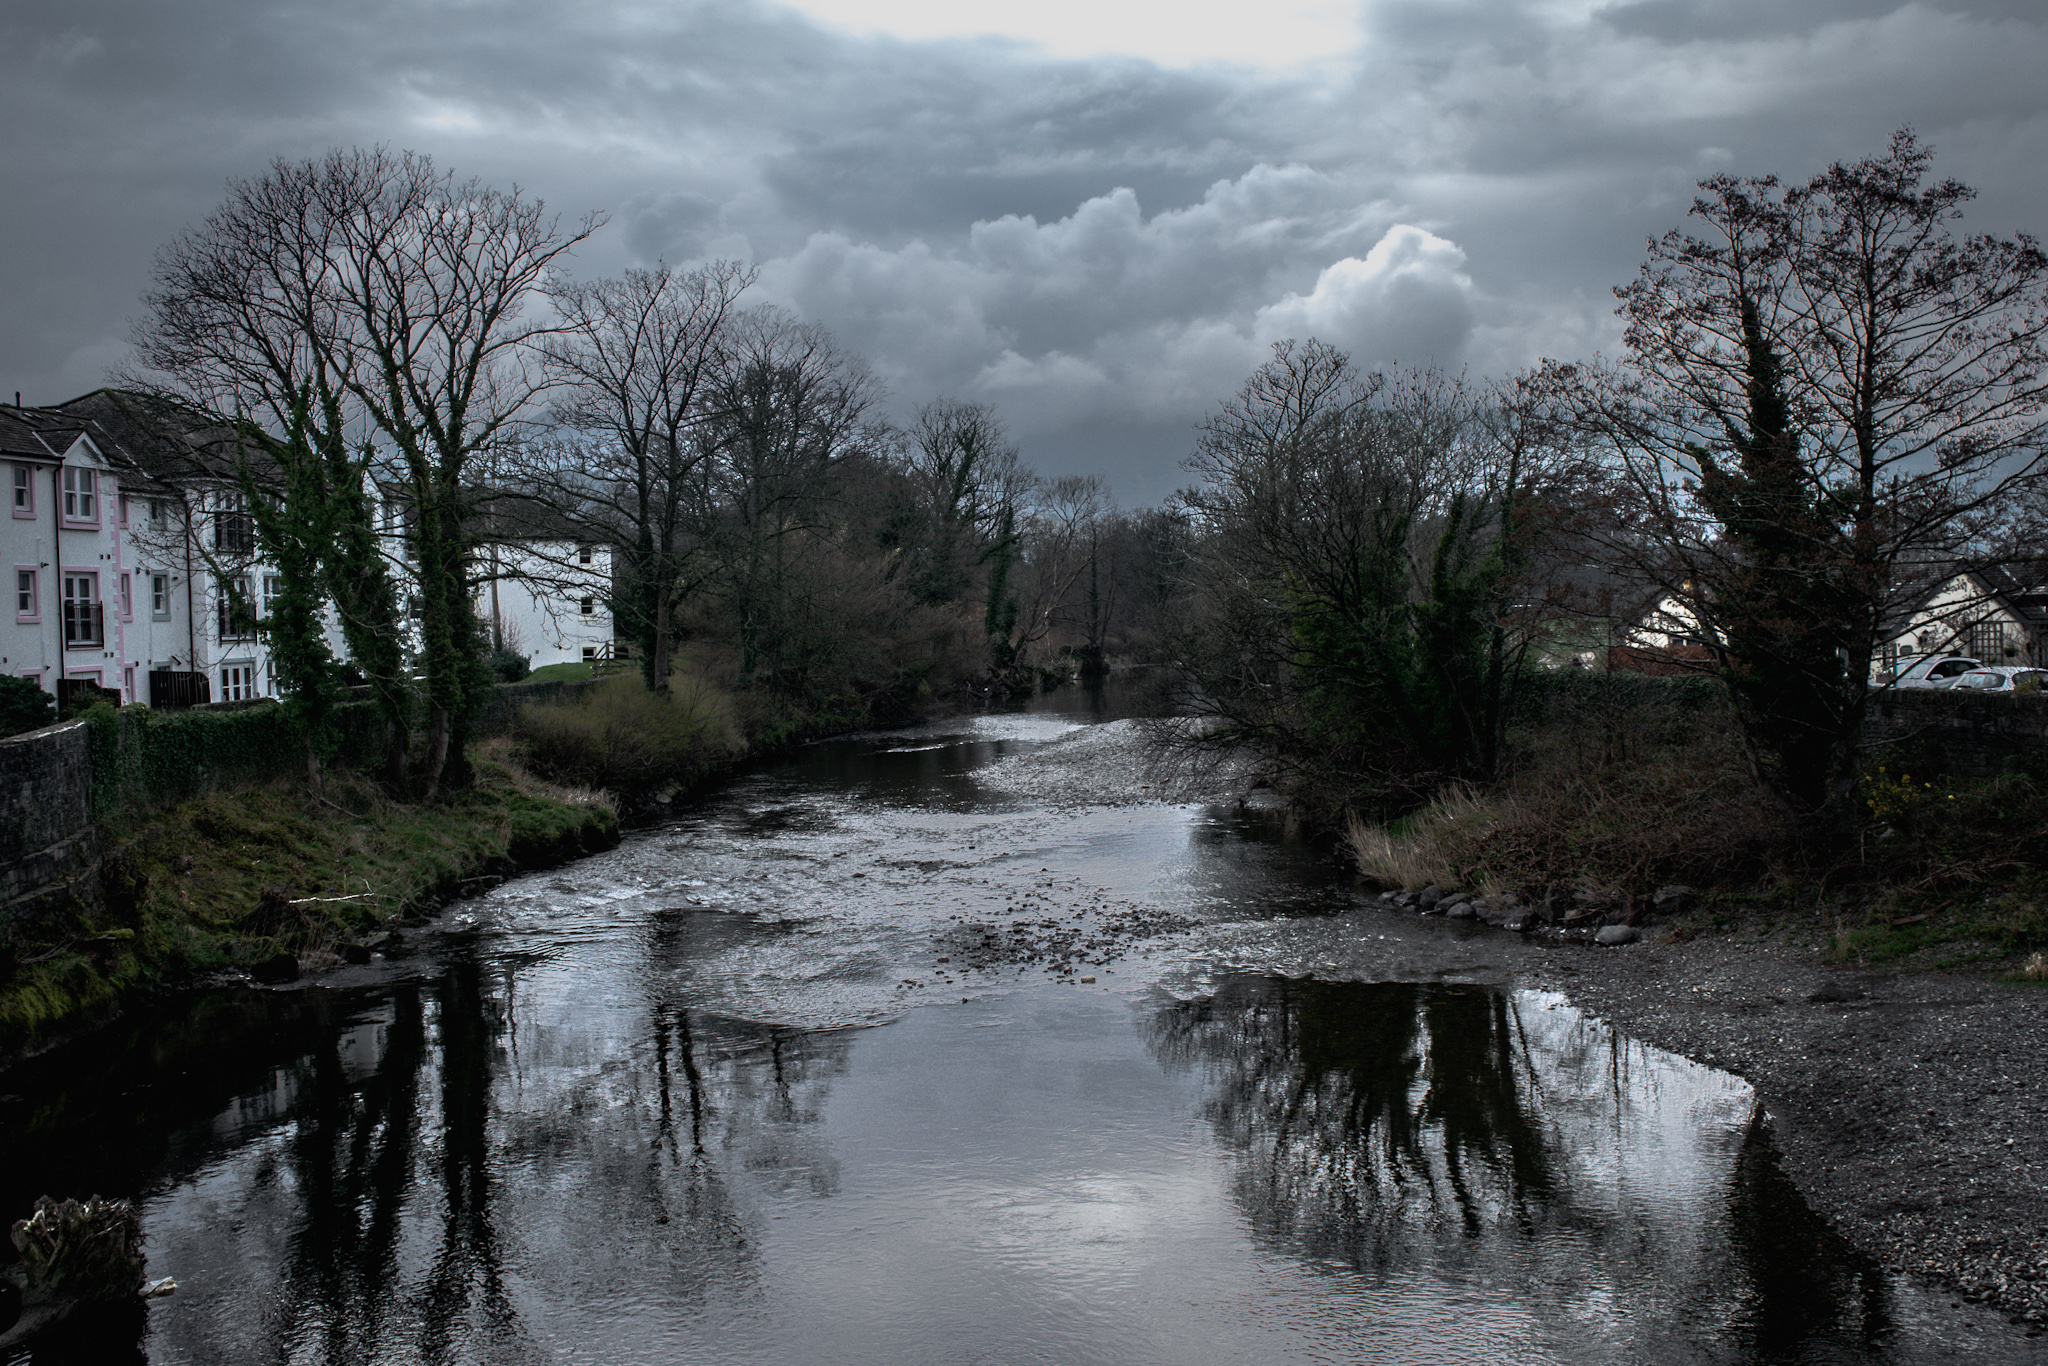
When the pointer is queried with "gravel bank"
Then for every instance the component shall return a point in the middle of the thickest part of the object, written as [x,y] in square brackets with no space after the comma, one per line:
[1910,1109]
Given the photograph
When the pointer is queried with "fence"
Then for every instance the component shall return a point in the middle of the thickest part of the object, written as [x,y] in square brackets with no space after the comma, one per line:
[1970,734]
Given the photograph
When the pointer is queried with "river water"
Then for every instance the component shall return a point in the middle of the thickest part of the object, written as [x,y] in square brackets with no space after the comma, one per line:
[816,1073]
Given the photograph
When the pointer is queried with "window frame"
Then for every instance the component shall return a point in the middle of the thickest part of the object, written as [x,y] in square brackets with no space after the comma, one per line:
[34,615]
[23,481]
[234,526]
[79,486]
[247,669]
[159,612]
[1987,640]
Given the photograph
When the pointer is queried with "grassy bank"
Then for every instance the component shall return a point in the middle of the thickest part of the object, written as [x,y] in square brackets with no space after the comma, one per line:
[274,879]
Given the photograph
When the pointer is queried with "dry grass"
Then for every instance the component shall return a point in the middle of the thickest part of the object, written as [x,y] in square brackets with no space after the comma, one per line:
[1672,807]
[619,737]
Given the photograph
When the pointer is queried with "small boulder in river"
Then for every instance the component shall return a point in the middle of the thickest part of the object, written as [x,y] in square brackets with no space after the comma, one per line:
[1431,895]
[1521,920]
[1463,910]
[1612,936]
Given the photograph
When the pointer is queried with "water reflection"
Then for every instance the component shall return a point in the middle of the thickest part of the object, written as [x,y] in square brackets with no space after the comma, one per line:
[1501,1139]
[436,1173]
[1364,1111]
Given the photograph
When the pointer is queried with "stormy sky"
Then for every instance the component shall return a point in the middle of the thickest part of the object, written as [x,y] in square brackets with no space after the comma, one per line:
[1095,214]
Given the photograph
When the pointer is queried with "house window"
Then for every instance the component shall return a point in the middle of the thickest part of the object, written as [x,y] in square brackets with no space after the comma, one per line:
[123,504]
[127,601]
[589,653]
[128,683]
[1987,641]
[588,607]
[237,610]
[233,531]
[85,622]
[238,683]
[27,602]
[80,488]
[24,491]
[583,553]
[273,589]
[160,596]
[415,608]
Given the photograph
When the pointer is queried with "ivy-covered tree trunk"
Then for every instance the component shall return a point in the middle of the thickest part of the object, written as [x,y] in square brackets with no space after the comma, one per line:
[294,529]
[357,578]
[999,620]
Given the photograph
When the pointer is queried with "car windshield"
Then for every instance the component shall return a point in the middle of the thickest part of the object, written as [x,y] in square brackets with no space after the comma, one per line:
[1980,680]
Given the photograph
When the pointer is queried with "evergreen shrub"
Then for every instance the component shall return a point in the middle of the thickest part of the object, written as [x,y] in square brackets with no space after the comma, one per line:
[24,706]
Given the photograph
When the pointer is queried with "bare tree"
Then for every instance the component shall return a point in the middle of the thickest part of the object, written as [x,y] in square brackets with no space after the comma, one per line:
[240,321]
[788,402]
[1821,395]
[637,356]
[1359,541]
[967,473]
[394,295]
[1062,524]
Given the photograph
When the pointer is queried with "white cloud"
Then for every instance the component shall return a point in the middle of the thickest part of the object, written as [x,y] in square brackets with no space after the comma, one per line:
[1110,316]
[1408,300]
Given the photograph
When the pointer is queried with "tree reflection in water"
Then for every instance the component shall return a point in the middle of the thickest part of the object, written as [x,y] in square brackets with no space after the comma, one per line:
[1404,1129]
[1366,1110]
[441,1178]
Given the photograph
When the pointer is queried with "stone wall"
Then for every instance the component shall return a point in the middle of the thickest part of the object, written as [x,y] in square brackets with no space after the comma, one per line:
[48,841]
[499,712]
[1966,733]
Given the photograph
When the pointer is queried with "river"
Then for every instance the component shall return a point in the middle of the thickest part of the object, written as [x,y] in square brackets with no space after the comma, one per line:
[949,1045]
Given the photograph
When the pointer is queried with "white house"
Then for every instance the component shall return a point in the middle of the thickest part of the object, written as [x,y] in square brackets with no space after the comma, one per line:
[134,567]
[549,600]
[78,581]
[1988,614]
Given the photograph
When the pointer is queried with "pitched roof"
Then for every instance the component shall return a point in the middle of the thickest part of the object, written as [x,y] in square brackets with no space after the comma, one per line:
[160,437]
[37,433]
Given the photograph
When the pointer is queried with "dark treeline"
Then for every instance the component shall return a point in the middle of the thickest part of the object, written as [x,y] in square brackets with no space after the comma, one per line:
[1368,562]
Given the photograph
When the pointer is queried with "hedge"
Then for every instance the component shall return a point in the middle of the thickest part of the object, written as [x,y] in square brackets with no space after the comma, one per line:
[143,758]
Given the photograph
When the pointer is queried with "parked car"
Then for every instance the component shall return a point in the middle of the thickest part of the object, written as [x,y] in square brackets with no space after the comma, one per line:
[2004,678]
[1934,671]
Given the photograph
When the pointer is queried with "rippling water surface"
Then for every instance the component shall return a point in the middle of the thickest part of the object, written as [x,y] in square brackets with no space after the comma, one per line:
[812,1074]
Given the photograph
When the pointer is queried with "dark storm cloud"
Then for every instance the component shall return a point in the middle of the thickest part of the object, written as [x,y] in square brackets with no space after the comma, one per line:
[1102,247]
